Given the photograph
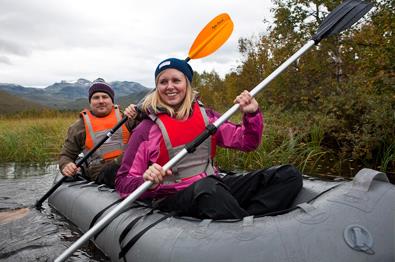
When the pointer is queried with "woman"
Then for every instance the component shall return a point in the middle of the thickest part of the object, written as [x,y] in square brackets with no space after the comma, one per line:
[192,187]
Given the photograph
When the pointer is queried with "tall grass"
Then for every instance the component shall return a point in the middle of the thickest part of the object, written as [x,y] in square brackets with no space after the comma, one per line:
[277,150]
[34,139]
[301,138]
[289,137]
[300,145]
[388,156]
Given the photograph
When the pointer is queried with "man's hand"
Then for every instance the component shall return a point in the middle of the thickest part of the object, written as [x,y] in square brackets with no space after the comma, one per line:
[70,169]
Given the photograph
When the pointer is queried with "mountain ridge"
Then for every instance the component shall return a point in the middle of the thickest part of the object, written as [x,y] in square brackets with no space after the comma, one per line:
[66,95]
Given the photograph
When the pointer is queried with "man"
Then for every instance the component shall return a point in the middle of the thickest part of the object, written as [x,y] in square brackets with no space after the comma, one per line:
[89,129]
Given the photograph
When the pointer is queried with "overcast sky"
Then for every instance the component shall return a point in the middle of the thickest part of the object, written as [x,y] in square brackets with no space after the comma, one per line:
[46,41]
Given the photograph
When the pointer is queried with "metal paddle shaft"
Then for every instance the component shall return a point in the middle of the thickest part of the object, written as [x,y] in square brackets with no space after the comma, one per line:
[80,162]
[339,19]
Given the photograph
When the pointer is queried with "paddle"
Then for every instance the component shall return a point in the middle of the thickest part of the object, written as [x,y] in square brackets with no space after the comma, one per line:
[212,37]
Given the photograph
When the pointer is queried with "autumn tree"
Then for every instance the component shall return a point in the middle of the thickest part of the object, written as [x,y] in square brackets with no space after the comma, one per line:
[347,80]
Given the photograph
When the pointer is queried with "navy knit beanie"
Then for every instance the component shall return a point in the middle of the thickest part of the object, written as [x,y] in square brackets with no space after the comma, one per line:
[99,85]
[180,65]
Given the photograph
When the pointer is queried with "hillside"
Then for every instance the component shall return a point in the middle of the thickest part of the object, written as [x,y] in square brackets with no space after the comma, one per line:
[11,104]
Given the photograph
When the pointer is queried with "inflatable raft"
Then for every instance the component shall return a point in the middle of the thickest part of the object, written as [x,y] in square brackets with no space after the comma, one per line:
[328,221]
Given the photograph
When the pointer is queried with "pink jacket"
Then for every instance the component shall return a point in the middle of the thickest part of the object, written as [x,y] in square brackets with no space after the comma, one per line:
[143,150]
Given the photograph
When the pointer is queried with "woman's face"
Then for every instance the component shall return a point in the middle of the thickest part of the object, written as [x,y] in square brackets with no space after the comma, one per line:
[172,87]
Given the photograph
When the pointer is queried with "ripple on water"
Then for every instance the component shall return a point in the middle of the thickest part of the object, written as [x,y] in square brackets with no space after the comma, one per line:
[34,235]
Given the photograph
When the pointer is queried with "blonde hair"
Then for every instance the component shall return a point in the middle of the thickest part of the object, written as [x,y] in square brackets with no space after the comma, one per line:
[154,103]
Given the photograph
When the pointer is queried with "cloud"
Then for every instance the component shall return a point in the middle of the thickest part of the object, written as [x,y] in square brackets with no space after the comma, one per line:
[7,47]
[46,40]
[5,60]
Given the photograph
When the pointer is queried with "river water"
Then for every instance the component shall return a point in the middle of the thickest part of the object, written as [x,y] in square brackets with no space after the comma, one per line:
[27,234]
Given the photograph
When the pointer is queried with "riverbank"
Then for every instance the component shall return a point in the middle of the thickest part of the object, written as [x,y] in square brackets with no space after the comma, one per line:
[34,138]
[288,138]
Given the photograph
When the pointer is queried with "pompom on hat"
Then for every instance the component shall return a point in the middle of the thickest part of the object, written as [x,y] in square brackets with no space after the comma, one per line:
[180,65]
[99,85]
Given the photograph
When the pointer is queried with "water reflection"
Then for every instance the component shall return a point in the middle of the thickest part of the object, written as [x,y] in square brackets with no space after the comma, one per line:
[16,170]
[34,235]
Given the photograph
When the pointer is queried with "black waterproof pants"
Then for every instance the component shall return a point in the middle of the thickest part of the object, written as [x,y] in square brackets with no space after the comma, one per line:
[237,196]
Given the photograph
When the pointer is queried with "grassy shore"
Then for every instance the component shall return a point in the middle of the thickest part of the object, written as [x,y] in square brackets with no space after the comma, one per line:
[288,138]
[33,138]
[301,140]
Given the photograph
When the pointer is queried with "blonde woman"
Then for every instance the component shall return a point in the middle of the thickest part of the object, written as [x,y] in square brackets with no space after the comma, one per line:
[193,187]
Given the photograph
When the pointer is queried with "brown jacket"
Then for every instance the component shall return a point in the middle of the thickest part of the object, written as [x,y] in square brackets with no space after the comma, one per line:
[74,144]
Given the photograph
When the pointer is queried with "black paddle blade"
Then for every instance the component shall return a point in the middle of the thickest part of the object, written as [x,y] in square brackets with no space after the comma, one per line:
[342,17]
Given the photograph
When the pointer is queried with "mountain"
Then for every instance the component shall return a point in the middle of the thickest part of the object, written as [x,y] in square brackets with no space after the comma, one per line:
[12,104]
[74,95]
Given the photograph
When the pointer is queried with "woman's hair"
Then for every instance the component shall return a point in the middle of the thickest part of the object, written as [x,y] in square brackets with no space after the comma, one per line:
[154,104]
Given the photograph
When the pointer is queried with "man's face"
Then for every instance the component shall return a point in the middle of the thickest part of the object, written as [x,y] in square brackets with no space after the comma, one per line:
[101,104]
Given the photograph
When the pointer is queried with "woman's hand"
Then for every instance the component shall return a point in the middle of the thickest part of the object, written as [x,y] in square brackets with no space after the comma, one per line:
[247,103]
[131,111]
[70,169]
[155,174]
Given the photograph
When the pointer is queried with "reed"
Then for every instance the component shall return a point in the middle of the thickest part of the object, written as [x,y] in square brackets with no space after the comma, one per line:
[33,139]
[306,156]
[300,146]
[289,137]
[388,156]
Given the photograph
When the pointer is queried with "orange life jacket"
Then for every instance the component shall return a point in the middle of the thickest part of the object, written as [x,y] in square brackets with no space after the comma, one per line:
[96,128]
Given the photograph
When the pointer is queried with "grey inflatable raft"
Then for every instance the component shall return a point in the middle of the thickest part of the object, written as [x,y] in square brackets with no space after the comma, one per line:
[329,221]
